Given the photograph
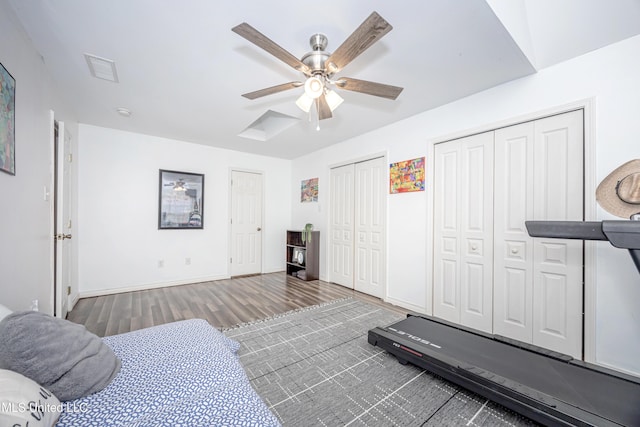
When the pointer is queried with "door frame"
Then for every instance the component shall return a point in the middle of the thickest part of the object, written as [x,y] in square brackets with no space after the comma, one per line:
[588,106]
[230,216]
[385,211]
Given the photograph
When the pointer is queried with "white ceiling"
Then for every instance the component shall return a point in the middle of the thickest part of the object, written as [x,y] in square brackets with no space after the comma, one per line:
[182,70]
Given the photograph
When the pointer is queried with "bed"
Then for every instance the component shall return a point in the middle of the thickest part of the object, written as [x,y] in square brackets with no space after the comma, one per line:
[184,373]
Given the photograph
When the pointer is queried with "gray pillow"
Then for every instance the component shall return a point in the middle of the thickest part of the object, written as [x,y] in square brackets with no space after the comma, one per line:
[61,356]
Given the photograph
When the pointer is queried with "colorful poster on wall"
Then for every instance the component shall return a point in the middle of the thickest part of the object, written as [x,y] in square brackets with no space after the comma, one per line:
[406,176]
[309,190]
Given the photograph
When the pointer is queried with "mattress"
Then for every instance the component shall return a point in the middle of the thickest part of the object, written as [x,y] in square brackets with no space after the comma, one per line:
[184,373]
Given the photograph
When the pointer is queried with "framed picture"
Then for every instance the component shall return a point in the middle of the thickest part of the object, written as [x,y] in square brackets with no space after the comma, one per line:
[181,200]
[7,122]
[309,190]
[406,176]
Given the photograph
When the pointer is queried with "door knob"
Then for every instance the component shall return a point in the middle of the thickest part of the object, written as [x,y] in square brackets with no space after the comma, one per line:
[259,229]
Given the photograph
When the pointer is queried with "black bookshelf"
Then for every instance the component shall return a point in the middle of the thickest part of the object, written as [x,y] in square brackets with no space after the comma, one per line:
[303,257]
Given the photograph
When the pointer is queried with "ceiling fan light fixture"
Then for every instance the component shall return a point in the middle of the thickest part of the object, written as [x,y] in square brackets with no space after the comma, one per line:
[333,99]
[304,102]
[313,87]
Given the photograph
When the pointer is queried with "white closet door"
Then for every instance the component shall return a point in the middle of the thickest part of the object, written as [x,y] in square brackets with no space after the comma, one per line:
[513,205]
[446,250]
[342,226]
[538,282]
[370,178]
[463,233]
[476,275]
[557,272]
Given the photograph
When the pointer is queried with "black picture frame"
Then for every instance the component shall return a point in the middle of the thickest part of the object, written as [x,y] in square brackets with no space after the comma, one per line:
[7,122]
[180,200]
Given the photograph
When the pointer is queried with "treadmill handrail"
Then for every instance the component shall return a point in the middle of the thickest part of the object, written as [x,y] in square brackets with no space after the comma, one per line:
[581,230]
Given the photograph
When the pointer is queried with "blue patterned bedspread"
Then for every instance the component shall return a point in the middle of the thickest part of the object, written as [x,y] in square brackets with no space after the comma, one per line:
[179,374]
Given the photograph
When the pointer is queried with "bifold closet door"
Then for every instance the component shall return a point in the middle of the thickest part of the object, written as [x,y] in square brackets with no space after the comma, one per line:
[538,282]
[463,231]
[513,270]
[557,263]
[341,238]
[370,190]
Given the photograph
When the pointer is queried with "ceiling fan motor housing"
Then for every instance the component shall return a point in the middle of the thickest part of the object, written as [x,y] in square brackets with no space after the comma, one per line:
[316,59]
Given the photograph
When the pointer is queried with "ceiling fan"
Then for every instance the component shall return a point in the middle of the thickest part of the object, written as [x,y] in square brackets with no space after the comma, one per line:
[319,66]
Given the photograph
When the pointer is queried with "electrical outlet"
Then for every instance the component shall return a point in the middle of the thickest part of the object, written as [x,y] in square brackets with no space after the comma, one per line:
[187,261]
[34,305]
[160,263]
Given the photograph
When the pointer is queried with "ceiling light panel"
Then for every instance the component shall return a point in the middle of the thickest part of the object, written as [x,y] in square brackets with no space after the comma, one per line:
[102,68]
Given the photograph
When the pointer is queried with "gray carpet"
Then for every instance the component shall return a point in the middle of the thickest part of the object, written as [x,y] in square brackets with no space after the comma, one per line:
[314,367]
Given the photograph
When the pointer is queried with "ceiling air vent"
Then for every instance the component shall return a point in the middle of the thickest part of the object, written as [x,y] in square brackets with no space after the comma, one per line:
[102,68]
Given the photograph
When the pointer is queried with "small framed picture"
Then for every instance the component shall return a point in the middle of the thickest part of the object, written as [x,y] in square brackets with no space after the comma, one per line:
[181,200]
[298,256]
[7,122]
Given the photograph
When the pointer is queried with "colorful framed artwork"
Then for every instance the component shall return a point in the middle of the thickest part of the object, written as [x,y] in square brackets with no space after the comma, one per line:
[7,122]
[309,190]
[181,200]
[406,176]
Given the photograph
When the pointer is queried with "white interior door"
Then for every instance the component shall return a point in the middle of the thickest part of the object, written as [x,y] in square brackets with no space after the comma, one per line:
[370,178]
[513,270]
[463,231]
[446,239]
[63,223]
[557,263]
[476,227]
[538,282]
[489,274]
[246,223]
[341,219]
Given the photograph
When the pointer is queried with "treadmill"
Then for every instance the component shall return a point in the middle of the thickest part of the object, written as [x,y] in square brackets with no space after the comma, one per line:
[545,386]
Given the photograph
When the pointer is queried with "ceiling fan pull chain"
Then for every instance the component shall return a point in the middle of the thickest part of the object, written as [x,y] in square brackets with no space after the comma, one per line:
[317,115]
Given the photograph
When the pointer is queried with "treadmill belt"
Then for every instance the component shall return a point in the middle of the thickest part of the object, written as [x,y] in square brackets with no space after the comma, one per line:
[539,376]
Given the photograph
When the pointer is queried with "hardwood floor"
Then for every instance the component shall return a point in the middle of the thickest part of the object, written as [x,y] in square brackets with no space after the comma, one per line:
[222,303]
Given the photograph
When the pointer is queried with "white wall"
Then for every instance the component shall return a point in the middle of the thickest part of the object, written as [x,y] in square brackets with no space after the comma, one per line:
[610,75]
[119,244]
[25,246]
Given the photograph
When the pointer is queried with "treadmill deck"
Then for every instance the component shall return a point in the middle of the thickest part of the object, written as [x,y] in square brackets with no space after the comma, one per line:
[547,387]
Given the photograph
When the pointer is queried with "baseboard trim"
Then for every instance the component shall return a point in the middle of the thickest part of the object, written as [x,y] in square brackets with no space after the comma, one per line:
[73,302]
[405,304]
[147,286]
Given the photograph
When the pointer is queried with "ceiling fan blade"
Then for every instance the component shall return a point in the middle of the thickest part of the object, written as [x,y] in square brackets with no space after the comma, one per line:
[369,32]
[271,90]
[370,88]
[324,112]
[256,37]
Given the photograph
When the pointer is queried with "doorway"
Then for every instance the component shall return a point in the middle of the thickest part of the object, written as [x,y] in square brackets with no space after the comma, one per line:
[62,221]
[246,223]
